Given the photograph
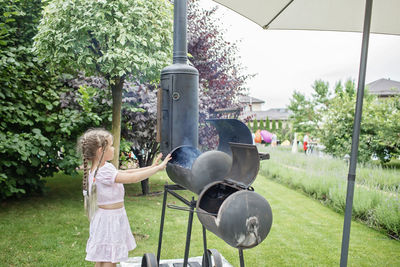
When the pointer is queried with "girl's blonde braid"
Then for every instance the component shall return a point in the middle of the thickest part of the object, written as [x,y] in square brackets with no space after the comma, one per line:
[85,177]
[93,191]
[103,146]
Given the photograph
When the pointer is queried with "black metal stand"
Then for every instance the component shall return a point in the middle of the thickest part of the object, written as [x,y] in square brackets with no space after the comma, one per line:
[209,254]
[191,204]
[206,254]
[241,258]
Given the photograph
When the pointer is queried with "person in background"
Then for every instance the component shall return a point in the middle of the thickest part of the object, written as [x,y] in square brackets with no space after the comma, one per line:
[274,140]
[306,139]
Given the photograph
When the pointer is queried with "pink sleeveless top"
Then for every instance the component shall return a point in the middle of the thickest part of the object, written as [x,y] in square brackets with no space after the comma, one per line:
[108,191]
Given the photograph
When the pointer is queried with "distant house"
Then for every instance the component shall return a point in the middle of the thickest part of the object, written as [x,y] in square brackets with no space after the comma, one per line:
[251,103]
[274,115]
[384,88]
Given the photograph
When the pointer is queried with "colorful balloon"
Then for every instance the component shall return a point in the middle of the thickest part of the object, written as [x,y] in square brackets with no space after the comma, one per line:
[266,136]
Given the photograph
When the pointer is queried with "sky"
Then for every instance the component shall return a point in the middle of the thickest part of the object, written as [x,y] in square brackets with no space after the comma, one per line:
[285,61]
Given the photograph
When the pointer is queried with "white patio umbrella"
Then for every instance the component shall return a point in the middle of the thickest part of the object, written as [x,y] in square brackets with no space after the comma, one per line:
[381,16]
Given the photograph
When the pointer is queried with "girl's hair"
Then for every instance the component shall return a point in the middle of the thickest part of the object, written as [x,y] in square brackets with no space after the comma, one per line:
[88,144]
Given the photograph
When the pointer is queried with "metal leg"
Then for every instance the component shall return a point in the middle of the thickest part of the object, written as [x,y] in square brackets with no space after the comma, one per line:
[208,258]
[189,233]
[162,224]
[241,257]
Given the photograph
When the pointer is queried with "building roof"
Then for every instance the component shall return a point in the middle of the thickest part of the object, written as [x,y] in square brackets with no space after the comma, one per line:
[272,114]
[246,99]
[384,87]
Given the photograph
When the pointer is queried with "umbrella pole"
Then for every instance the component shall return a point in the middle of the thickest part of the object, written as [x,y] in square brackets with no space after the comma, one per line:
[356,134]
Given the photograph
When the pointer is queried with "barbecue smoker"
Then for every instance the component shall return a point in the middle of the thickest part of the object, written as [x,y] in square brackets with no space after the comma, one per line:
[227,204]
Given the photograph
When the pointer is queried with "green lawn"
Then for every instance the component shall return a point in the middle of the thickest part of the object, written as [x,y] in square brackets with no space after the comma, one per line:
[52,230]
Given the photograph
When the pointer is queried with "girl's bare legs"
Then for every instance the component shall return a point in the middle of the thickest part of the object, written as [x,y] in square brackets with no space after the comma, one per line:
[105,264]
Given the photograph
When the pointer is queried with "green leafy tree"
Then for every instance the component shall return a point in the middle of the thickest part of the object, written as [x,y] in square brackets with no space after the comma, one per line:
[386,141]
[273,128]
[249,124]
[262,127]
[331,118]
[117,40]
[337,128]
[307,113]
[255,125]
[37,132]
[267,124]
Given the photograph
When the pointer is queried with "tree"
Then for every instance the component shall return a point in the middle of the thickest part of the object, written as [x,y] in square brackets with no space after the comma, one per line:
[37,134]
[279,125]
[139,115]
[267,124]
[221,74]
[331,118]
[307,113]
[386,142]
[112,39]
[255,125]
[249,124]
[262,127]
[379,132]
[337,127]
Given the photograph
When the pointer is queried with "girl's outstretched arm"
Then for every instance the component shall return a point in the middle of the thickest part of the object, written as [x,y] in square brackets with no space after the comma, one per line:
[135,170]
[155,163]
[124,177]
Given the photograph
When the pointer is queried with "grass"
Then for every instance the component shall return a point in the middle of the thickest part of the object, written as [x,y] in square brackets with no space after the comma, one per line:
[371,175]
[376,196]
[52,230]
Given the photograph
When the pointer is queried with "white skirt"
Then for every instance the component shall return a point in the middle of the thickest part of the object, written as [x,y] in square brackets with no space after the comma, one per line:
[110,236]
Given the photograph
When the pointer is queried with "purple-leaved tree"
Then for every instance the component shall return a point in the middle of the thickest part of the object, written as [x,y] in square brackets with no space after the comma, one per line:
[139,120]
[222,78]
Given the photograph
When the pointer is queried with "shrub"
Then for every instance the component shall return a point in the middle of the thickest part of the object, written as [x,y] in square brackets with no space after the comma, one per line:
[37,135]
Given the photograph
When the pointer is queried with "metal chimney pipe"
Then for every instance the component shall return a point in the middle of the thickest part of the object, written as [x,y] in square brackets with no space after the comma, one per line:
[178,97]
[180,26]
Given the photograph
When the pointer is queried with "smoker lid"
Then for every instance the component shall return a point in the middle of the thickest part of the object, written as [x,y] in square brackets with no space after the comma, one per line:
[231,130]
[245,164]
[184,156]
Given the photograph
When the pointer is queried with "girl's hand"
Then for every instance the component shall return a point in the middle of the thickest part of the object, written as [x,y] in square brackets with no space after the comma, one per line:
[157,160]
[163,164]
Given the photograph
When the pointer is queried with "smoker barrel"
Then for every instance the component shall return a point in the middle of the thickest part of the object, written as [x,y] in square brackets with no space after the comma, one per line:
[239,216]
[244,218]
[193,170]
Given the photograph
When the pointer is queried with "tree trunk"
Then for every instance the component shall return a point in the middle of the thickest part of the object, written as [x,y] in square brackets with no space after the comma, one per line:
[146,160]
[116,88]
[145,187]
[145,183]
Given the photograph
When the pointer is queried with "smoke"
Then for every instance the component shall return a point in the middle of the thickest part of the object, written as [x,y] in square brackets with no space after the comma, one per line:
[184,156]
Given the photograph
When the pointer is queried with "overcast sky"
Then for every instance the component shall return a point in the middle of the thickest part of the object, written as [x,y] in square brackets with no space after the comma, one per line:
[285,61]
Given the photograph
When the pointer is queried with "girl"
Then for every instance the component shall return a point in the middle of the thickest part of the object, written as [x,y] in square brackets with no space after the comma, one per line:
[110,234]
